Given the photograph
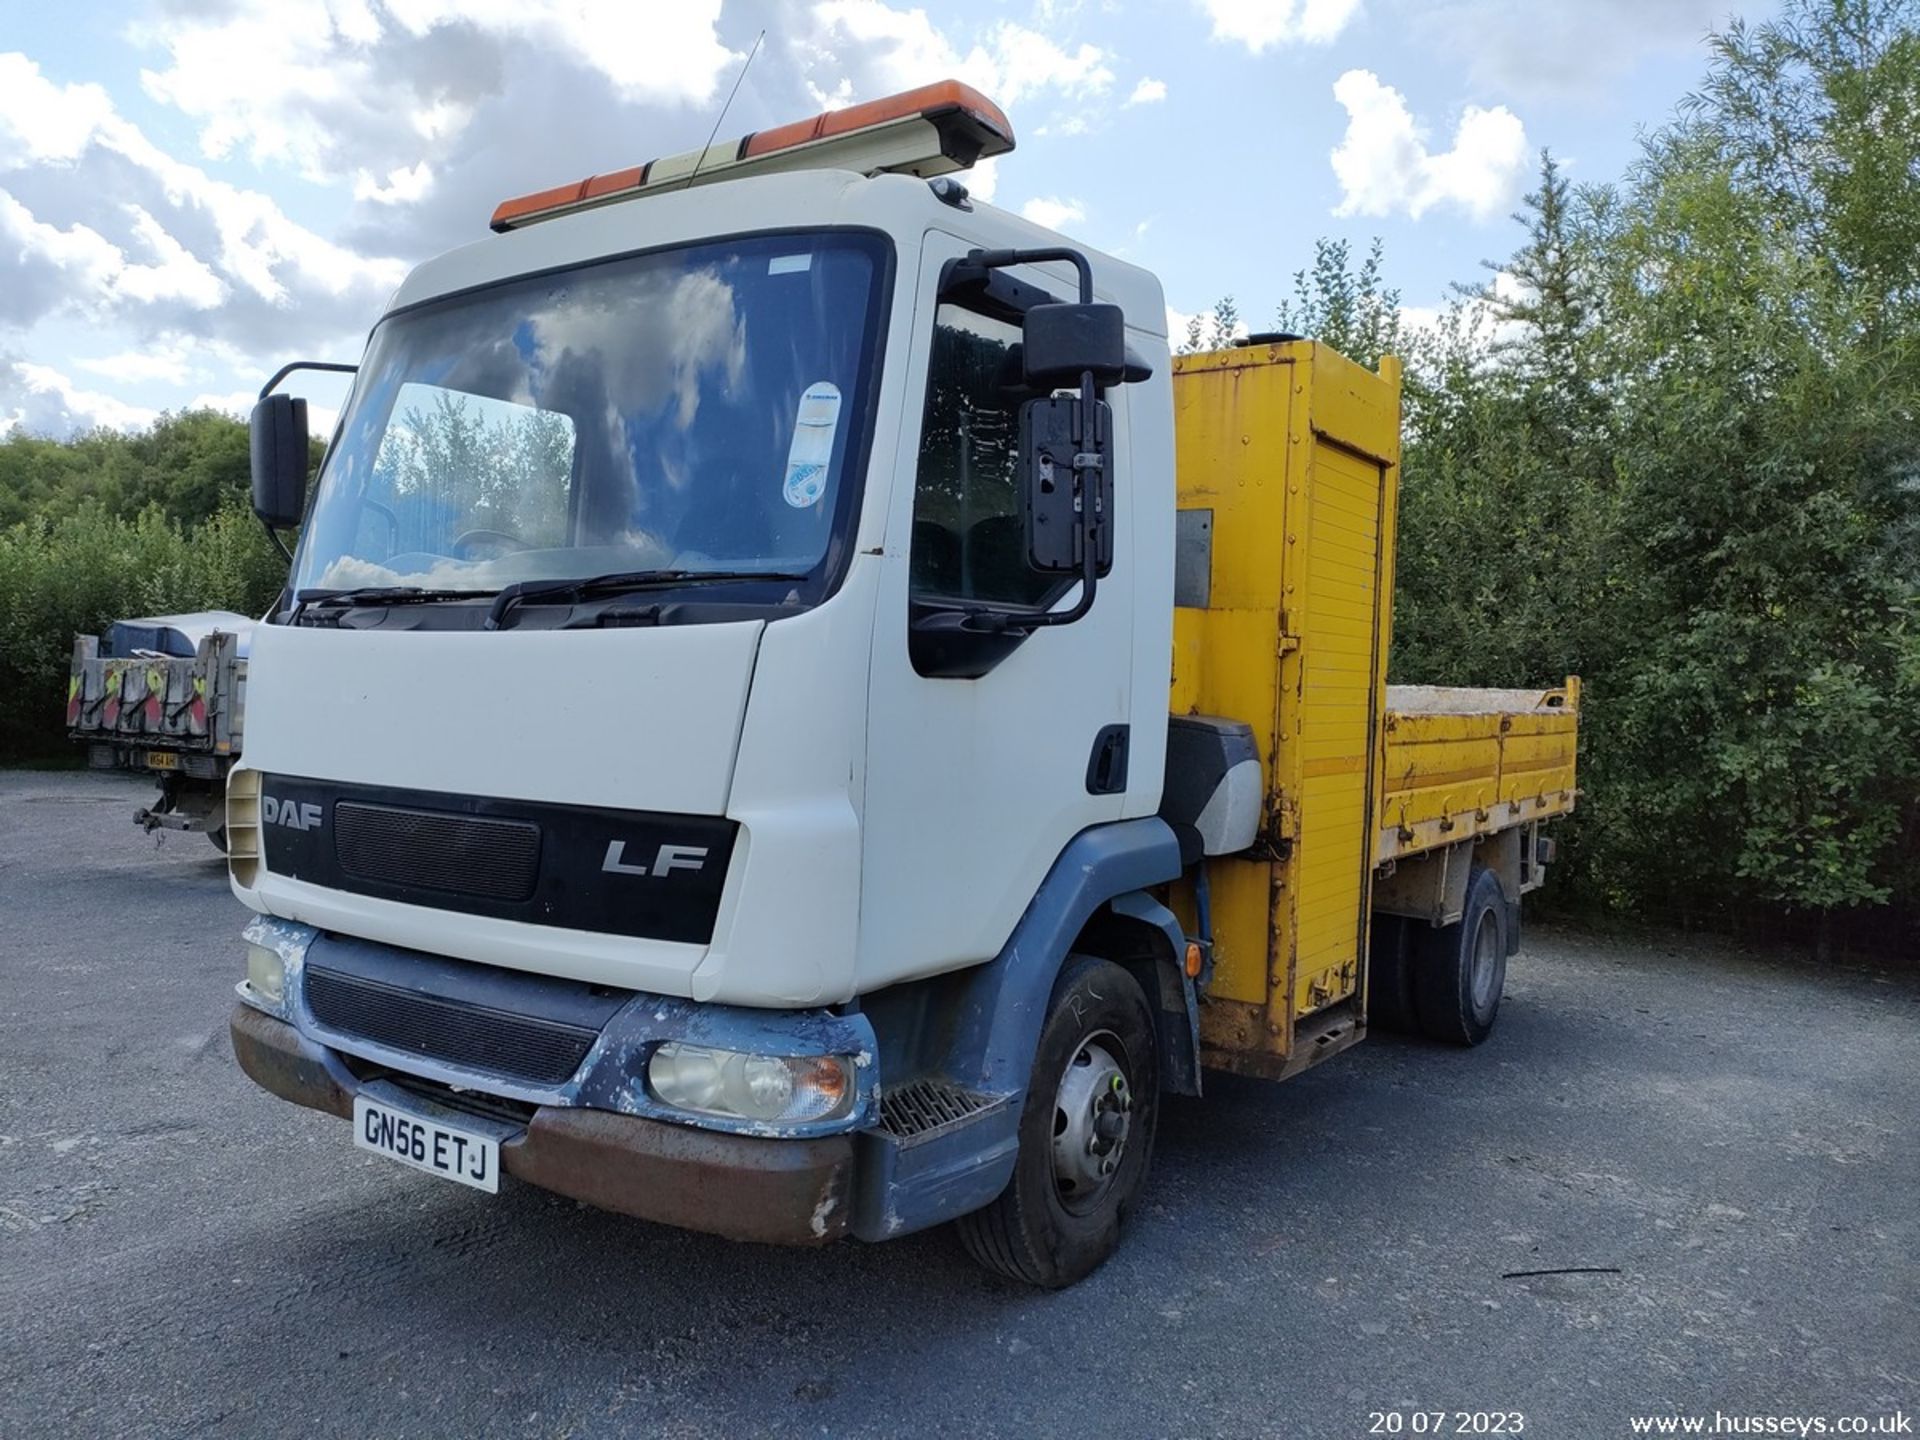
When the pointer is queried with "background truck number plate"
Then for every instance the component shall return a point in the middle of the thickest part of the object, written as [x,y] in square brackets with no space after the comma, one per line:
[428,1145]
[162,760]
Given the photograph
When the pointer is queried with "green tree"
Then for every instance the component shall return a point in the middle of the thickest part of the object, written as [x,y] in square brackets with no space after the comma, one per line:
[1350,309]
[1674,446]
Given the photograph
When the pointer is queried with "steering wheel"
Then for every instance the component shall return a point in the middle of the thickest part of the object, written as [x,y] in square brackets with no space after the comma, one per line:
[486,537]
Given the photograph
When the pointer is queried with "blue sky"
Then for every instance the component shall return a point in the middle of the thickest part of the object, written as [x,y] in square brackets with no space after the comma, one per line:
[192,191]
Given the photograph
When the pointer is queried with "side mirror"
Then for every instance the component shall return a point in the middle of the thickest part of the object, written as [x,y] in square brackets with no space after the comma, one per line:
[1062,342]
[1055,439]
[280,460]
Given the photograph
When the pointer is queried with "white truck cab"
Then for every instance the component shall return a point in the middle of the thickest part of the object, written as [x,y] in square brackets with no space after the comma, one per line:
[773,774]
[709,756]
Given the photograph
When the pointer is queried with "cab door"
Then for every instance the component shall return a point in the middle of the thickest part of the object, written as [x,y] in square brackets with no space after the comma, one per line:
[976,783]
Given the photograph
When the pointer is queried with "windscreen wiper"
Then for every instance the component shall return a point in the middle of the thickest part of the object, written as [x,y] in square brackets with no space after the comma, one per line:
[376,595]
[617,583]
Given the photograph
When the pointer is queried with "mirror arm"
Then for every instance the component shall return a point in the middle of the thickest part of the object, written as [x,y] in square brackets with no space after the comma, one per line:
[1001,259]
[333,366]
[1086,461]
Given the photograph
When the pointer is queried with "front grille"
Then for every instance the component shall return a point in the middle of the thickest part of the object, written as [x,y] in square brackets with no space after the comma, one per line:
[920,1107]
[525,1047]
[459,854]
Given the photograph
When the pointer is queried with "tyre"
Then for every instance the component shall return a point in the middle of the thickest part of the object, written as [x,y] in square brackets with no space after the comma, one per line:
[218,836]
[1459,978]
[1086,1134]
[1390,956]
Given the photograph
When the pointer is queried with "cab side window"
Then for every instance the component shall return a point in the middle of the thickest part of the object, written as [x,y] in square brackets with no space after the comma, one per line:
[969,541]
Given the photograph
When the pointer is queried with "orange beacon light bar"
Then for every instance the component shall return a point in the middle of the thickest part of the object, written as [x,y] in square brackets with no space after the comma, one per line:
[933,130]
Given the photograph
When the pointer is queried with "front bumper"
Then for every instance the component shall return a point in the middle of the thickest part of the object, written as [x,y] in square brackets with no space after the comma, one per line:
[743,1187]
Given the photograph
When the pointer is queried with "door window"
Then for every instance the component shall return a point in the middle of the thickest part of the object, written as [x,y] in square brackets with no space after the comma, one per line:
[969,540]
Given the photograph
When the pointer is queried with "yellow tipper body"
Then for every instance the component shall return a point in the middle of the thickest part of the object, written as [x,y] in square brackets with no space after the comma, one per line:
[1464,764]
[1290,453]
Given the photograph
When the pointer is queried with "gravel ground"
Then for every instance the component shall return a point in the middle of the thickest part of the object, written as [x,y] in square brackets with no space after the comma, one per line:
[1732,1137]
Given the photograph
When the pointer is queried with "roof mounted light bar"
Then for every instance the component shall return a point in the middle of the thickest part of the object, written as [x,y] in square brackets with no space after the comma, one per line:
[933,130]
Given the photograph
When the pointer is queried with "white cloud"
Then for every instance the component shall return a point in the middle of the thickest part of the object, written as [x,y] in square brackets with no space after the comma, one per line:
[175,274]
[82,265]
[1148,92]
[1384,165]
[307,81]
[39,400]
[1053,213]
[45,122]
[1261,24]
[416,116]
[163,361]
[240,403]
[188,245]
[983,179]
[1180,326]
[77,251]
[1530,48]
[403,186]
[899,49]
[1477,315]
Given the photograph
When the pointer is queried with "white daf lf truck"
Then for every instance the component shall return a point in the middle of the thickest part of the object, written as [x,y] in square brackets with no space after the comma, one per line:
[712,757]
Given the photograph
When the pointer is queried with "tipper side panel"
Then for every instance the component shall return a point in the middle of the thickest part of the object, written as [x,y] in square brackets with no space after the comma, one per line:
[1291,453]
[1462,764]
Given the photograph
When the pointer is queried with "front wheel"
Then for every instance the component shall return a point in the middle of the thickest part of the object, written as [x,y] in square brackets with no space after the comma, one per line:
[1086,1134]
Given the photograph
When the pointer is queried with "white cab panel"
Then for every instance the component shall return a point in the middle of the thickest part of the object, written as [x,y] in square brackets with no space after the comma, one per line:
[891,826]
[788,924]
[635,719]
[662,966]
[974,787]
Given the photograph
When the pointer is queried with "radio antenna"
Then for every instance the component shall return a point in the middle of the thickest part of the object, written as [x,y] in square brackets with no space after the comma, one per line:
[721,117]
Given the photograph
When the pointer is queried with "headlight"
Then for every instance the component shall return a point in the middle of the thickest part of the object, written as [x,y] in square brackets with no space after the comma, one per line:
[751,1087]
[266,974]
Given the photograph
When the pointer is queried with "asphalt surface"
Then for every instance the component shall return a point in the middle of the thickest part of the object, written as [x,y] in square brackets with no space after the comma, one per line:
[1731,1136]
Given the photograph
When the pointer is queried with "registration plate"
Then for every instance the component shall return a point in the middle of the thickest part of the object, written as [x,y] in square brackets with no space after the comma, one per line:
[432,1145]
[162,760]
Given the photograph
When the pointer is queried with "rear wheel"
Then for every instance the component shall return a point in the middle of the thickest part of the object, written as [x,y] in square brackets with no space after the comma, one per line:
[1460,978]
[1390,965]
[1086,1134]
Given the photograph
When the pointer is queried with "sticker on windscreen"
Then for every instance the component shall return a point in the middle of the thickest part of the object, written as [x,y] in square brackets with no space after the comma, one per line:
[811,452]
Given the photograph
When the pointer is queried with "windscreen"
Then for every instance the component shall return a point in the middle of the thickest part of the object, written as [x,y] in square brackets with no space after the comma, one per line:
[691,409]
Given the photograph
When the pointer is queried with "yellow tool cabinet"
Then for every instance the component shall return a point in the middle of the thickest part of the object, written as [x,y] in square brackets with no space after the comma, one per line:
[1288,460]
[1288,473]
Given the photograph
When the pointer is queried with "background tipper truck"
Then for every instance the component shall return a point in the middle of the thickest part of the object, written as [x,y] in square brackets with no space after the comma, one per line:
[795,716]
[165,695]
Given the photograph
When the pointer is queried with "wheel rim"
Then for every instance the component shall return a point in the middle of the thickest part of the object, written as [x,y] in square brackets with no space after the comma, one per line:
[1092,1117]
[1488,960]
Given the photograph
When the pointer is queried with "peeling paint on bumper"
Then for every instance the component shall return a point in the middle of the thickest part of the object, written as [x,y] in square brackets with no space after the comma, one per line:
[789,1192]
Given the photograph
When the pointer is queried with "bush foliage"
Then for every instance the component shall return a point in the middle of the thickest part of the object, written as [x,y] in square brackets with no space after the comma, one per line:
[111,526]
[1675,447]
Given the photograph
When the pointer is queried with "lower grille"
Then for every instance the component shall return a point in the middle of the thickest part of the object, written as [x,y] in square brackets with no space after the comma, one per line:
[461,854]
[525,1047]
[922,1106]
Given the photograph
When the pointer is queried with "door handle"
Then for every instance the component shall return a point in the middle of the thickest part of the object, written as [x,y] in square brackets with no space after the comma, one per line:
[1107,766]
